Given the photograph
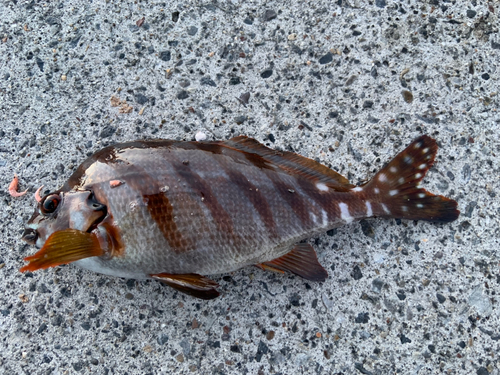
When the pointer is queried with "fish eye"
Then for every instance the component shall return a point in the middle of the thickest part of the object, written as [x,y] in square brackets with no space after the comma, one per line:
[50,204]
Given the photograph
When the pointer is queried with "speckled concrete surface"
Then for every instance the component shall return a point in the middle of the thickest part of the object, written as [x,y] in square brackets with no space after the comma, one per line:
[349,83]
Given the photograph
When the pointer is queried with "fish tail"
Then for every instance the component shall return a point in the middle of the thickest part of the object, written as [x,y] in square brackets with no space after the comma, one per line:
[394,191]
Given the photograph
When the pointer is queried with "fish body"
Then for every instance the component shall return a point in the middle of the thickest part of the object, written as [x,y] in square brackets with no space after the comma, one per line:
[174,211]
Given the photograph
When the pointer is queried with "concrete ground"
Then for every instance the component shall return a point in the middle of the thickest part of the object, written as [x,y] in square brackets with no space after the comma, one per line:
[346,82]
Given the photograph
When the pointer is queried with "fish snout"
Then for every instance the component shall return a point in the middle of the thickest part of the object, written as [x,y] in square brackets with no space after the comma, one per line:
[30,236]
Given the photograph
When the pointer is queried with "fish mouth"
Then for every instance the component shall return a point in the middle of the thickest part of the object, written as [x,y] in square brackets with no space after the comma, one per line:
[30,236]
[96,206]
[96,223]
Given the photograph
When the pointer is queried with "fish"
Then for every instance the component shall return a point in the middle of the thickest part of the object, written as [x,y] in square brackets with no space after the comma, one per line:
[180,211]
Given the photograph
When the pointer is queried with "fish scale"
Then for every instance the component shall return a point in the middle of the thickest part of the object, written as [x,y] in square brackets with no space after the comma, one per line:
[175,211]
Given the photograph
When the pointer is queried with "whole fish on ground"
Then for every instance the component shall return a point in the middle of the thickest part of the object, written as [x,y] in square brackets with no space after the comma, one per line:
[175,211]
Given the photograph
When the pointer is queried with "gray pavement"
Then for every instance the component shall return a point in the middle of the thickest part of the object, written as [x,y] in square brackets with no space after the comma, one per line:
[348,83]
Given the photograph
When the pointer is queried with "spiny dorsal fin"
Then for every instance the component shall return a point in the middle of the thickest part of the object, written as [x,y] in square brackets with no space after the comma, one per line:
[288,162]
[193,284]
[302,261]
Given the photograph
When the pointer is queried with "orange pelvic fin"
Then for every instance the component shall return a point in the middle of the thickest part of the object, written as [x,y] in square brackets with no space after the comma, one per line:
[302,261]
[63,247]
[193,284]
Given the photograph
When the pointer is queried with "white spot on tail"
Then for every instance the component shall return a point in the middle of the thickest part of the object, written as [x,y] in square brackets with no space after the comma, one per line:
[376,190]
[420,205]
[344,213]
[357,188]
[418,144]
[382,177]
[404,208]
[425,150]
[313,218]
[324,217]
[321,186]
[401,180]
[393,169]
[393,192]
[421,195]
[369,211]
[418,175]
[422,166]
[386,210]
[408,159]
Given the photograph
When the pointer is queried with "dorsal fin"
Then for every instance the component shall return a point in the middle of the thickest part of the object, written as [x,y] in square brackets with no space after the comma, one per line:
[289,162]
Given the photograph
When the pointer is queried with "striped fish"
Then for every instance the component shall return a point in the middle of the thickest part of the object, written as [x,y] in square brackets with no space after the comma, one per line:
[176,211]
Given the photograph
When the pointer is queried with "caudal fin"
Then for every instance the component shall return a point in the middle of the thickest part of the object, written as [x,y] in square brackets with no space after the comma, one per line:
[395,190]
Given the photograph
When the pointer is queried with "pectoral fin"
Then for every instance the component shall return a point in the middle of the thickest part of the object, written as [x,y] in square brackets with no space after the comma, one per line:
[64,246]
[302,261]
[193,284]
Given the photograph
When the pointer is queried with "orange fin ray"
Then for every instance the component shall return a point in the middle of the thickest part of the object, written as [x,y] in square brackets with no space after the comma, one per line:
[192,284]
[288,162]
[63,247]
[302,261]
[267,267]
[396,186]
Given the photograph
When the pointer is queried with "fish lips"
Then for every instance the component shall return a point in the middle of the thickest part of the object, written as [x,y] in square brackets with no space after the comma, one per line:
[30,236]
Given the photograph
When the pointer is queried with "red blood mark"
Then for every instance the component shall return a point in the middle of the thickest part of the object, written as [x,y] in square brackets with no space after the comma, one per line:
[13,188]
[115,183]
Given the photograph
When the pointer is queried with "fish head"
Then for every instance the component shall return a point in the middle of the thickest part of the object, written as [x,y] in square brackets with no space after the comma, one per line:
[61,210]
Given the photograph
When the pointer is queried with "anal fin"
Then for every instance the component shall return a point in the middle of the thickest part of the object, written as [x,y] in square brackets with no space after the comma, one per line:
[268,267]
[302,261]
[193,284]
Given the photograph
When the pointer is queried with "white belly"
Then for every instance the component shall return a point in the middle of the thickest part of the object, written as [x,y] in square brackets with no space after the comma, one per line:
[95,264]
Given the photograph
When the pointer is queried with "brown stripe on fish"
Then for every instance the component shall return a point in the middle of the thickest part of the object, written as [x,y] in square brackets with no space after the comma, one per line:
[323,196]
[355,205]
[197,183]
[290,194]
[160,209]
[255,197]
[162,213]
[258,161]
[157,204]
